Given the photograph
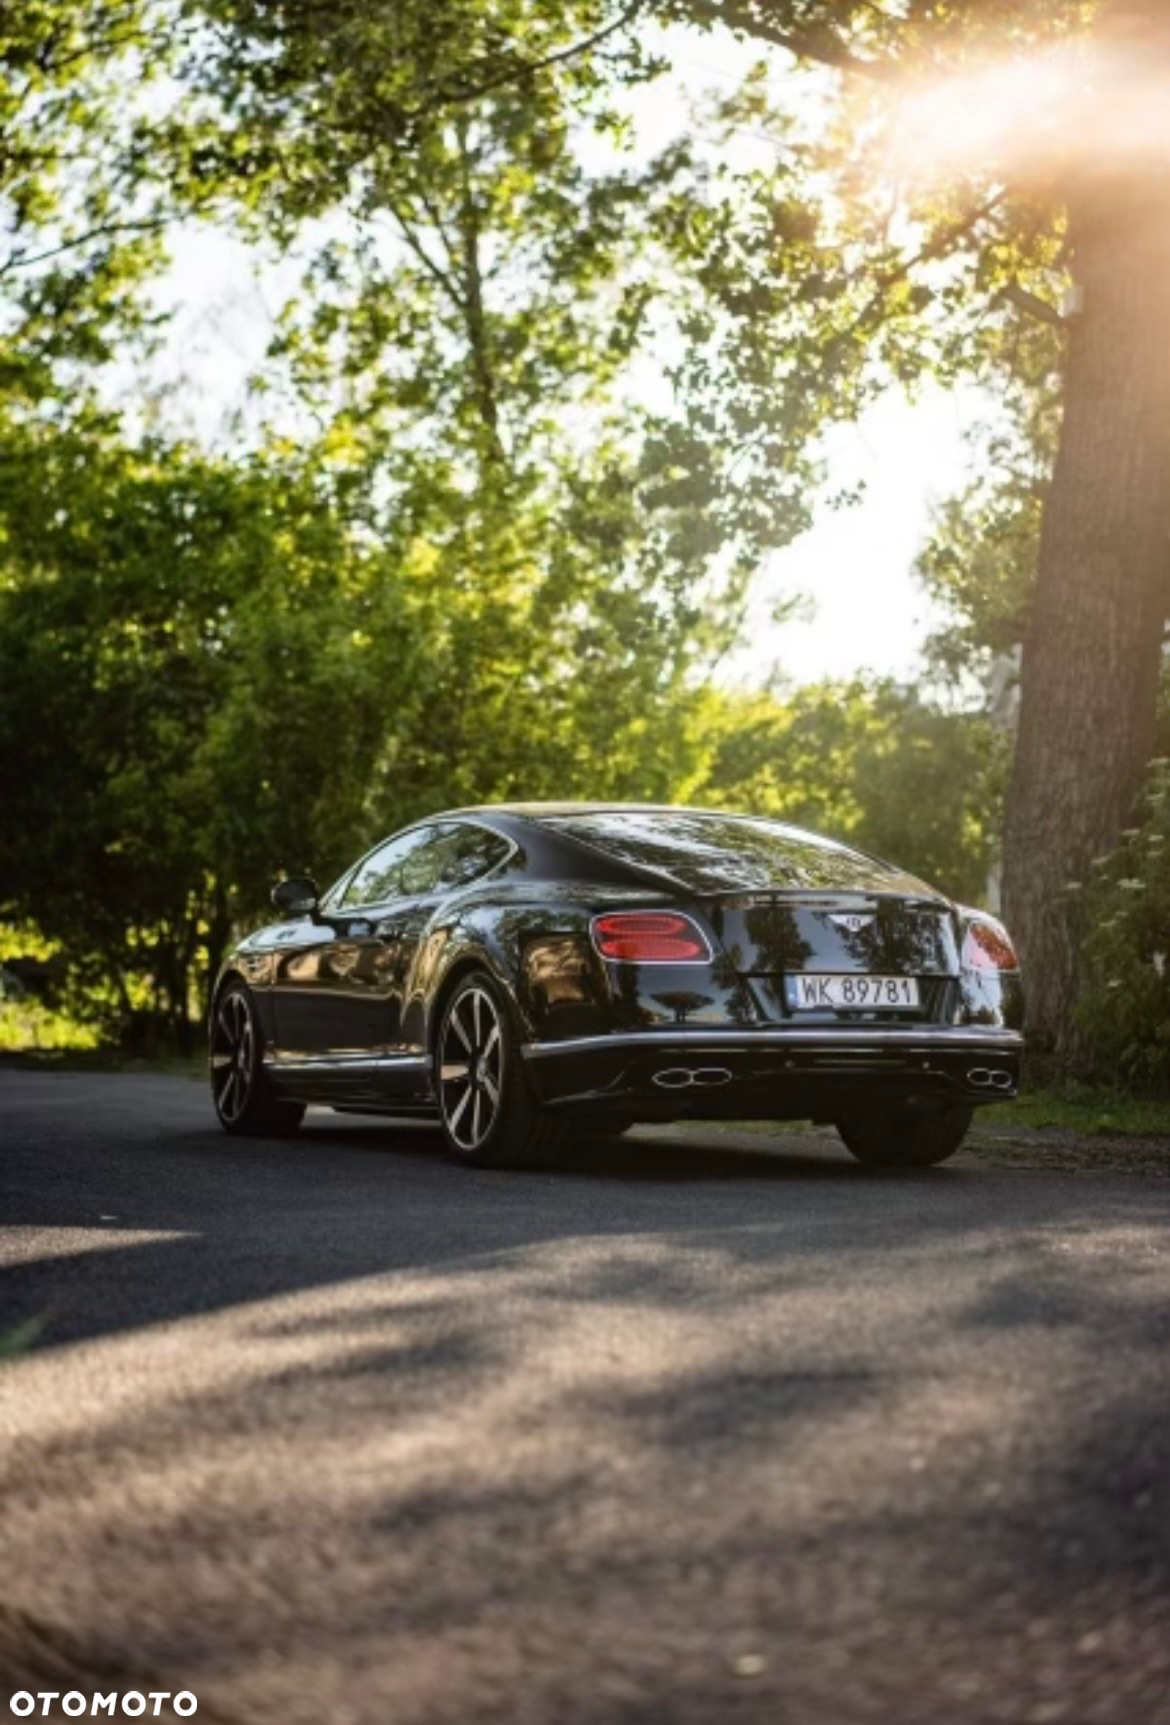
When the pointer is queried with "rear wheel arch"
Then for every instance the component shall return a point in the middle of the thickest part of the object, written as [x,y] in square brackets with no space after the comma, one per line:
[464,966]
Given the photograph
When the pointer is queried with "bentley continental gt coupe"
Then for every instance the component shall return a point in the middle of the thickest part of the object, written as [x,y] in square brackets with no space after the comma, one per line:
[529,971]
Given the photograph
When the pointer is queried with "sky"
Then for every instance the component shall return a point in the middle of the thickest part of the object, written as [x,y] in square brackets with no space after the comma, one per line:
[863,610]
[866,611]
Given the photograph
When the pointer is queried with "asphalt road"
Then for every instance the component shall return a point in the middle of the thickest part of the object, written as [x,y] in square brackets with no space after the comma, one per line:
[335,1432]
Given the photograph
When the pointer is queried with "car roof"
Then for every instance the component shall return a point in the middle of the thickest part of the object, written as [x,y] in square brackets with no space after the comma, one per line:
[571,820]
[552,811]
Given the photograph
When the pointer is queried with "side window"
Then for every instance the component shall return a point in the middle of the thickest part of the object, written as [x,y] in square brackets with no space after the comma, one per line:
[469,852]
[429,859]
[455,856]
[383,874]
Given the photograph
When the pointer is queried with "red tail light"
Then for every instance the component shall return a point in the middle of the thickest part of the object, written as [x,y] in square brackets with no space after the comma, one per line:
[987,947]
[650,937]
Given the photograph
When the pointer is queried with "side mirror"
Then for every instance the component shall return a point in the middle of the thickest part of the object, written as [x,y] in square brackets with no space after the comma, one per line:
[297,896]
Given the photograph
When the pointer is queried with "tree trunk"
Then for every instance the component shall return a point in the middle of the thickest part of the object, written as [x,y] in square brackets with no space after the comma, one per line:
[1089,681]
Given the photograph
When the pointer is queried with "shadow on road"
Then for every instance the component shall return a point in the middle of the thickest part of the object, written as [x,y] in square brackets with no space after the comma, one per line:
[432,1444]
[198,1222]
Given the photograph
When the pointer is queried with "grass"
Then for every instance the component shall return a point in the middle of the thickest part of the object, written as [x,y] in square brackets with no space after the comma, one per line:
[1077,1109]
[1091,1113]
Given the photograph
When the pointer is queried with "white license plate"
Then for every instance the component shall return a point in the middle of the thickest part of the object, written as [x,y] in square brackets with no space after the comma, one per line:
[853,993]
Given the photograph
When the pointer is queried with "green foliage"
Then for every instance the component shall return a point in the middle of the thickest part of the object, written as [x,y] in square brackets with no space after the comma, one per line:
[980,563]
[465,550]
[218,668]
[854,259]
[28,1024]
[85,188]
[185,698]
[1125,913]
[874,764]
[493,268]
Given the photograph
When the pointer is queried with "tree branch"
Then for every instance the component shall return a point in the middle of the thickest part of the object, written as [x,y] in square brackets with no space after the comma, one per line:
[939,246]
[25,260]
[821,46]
[438,223]
[475,313]
[1031,305]
[529,68]
[438,274]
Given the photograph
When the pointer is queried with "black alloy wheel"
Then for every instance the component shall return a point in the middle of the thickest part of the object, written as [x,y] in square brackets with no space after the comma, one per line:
[489,1114]
[239,1086]
[900,1138]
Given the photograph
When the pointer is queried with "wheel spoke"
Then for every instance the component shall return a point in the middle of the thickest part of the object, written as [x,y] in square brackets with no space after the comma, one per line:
[233,1056]
[461,1109]
[227,1099]
[470,1069]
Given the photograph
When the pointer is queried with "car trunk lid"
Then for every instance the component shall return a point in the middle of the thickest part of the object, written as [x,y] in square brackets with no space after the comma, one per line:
[773,940]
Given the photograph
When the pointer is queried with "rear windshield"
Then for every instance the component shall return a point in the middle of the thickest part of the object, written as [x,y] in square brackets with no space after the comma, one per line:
[721,853]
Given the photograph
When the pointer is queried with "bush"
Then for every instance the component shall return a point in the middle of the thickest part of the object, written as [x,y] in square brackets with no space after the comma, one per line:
[1124,1011]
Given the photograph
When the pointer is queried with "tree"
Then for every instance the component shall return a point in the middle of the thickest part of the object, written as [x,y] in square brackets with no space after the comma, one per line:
[980,562]
[489,267]
[1124,1014]
[873,764]
[469,572]
[87,186]
[184,706]
[1045,126]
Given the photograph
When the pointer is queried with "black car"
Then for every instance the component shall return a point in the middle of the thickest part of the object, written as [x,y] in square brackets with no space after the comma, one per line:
[528,971]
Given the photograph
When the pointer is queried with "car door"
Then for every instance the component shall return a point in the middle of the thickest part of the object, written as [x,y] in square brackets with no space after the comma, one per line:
[344,999]
[459,853]
[335,994]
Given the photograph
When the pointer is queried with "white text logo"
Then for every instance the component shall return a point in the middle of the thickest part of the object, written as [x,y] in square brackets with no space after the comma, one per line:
[74,1703]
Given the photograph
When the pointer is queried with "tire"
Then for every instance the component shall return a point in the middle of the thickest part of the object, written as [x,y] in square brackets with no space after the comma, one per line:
[489,1115]
[901,1139]
[240,1090]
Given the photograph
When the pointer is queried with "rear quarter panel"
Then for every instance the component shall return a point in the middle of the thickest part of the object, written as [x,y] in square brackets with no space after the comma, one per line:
[538,947]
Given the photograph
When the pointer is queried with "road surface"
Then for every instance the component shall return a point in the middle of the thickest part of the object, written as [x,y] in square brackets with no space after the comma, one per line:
[335,1432]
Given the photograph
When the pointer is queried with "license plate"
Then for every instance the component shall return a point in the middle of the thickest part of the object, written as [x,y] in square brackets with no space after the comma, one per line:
[852,993]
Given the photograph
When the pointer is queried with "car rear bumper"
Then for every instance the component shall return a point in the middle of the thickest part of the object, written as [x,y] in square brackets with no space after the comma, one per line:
[776,1073]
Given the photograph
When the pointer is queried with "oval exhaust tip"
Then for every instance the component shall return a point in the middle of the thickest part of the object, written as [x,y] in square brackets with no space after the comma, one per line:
[673,1078]
[683,1077]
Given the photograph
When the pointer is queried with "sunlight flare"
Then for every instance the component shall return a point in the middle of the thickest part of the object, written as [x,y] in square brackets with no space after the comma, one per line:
[1033,112]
